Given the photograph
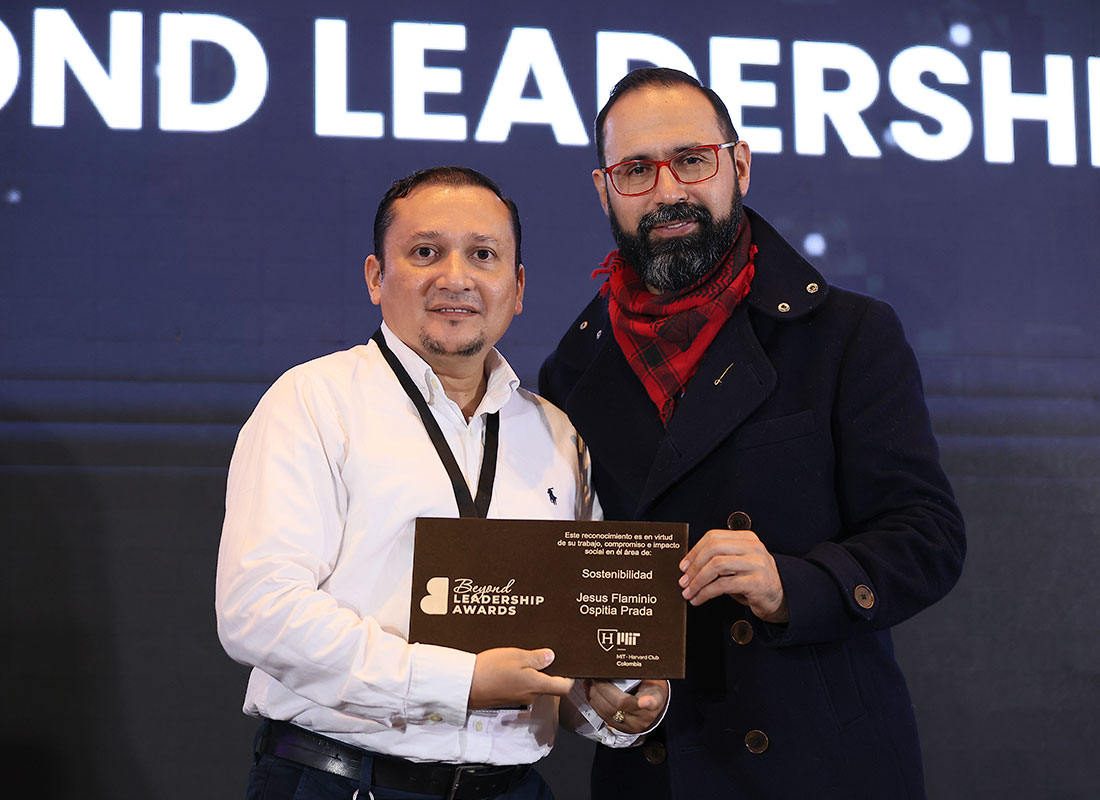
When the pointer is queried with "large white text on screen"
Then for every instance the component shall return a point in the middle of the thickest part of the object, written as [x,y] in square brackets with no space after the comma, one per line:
[941,127]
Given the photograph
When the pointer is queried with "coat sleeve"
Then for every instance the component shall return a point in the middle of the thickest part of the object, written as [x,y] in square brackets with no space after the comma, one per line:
[901,543]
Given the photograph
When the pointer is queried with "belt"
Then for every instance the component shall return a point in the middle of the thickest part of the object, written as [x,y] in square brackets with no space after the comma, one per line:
[450,781]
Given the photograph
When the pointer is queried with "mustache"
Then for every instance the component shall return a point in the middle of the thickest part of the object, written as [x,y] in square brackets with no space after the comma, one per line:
[680,212]
[458,299]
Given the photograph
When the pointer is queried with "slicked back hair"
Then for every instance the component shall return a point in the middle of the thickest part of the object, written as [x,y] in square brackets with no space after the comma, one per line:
[664,77]
[437,176]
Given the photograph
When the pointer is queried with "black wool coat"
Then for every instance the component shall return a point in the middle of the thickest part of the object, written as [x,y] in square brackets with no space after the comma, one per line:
[807,413]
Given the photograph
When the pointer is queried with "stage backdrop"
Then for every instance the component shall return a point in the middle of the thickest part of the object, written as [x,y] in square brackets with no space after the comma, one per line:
[186,193]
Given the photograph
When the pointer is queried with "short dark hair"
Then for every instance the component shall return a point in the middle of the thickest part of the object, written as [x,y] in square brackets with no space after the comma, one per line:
[661,76]
[447,176]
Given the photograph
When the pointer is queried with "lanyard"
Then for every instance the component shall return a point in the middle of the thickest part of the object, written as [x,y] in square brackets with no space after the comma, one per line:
[467,506]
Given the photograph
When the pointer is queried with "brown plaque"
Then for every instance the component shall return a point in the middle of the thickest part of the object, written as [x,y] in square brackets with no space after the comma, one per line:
[603,595]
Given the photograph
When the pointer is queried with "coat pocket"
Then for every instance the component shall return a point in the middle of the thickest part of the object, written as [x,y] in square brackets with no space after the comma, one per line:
[834,666]
[778,429]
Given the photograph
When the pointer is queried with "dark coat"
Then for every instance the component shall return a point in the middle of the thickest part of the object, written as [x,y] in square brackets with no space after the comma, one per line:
[807,413]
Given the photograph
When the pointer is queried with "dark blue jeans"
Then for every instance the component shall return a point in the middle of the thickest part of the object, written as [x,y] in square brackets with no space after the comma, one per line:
[274,778]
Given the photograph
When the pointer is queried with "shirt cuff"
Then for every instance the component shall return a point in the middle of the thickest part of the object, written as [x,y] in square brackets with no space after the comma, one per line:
[439,684]
[593,727]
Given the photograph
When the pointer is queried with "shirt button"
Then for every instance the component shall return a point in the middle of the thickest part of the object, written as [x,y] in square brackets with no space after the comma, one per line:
[435,717]
[864,596]
[655,752]
[741,632]
[479,726]
[756,741]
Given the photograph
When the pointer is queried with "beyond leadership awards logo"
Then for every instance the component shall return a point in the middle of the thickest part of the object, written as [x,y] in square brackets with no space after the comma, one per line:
[466,597]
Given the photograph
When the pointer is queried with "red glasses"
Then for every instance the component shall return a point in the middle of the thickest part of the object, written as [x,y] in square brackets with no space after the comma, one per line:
[693,165]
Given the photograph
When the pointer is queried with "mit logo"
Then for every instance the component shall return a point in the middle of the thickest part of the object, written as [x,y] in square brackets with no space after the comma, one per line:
[612,637]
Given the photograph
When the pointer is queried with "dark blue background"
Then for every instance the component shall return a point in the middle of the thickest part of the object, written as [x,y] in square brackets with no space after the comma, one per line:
[152,284]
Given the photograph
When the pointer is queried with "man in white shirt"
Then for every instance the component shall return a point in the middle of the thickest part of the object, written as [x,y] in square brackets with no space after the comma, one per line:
[329,474]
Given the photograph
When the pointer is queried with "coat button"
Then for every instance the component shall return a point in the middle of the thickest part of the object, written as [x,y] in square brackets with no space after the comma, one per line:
[864,596]
[812,288]
[741,632]
[584,324]
[784,307]
[739,521]
[756,741]
[655,752]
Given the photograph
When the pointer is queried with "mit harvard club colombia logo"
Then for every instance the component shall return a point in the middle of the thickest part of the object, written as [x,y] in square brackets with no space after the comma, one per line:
[609,638]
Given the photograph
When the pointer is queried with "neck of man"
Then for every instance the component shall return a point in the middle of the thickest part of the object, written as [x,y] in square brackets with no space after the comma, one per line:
[464,380]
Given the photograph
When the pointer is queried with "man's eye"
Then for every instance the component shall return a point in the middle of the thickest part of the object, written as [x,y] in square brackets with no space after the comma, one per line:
[638,168]
[424,252]
[483,254]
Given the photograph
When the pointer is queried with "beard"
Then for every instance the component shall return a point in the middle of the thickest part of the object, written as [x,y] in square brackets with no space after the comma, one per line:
[672,264]
[437,348]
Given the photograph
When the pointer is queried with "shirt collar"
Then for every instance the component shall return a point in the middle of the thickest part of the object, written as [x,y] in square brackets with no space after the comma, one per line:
[502,381]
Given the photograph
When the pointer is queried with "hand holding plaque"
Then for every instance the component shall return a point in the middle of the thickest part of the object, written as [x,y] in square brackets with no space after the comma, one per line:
[507,676]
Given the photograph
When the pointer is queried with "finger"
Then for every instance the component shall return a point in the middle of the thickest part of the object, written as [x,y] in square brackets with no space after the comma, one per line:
[699,546]
[715,544]
[608,691]
[717,536]
[715,569]
[540,659]
[651,695]
[604,707]
[552,684]
[723,586]
[599,699]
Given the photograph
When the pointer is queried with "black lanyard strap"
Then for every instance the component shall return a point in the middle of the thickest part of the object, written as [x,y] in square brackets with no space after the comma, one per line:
[467,506]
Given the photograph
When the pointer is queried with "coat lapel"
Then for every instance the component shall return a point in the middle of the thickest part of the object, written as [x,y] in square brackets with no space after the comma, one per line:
[611,410]
[733,379]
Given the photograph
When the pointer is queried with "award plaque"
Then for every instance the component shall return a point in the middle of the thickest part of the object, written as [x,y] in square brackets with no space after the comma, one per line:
[603,595]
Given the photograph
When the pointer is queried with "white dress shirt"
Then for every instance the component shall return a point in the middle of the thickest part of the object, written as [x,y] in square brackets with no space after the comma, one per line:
[315,565]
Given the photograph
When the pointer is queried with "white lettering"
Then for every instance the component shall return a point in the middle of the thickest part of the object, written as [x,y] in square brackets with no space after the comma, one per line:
[331,116]
[531,51]
[413,79]
[813,103]
[1094,109]
[9,65]
[178,35]
[1000,106]
[905,83]
[116,93]
[727,57]
[616,49]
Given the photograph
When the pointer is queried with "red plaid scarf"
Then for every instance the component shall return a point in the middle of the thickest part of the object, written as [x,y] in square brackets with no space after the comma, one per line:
[664,336]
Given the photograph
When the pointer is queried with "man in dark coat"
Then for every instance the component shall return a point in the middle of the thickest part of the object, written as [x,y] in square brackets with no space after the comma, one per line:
[719,380]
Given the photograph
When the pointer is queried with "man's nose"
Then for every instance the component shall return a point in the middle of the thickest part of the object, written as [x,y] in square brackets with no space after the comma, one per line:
[454,273]
[669,190]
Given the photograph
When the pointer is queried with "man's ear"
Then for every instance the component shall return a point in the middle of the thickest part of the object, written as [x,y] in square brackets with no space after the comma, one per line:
[521,281]
[599,180]
[372,271]
[742,157]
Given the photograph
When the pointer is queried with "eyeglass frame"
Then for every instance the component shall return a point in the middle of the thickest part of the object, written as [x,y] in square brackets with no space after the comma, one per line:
[657,163]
